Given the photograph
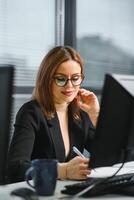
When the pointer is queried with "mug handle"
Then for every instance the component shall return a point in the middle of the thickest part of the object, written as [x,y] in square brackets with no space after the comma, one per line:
[28,176]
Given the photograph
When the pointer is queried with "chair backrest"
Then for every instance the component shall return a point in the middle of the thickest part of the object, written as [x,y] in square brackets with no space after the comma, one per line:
[6,90]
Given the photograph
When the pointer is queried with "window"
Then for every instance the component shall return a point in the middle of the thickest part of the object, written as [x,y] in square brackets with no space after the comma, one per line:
[28,29]
[105,30]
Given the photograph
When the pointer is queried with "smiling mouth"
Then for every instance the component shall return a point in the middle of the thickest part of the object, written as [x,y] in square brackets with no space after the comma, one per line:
[68,93]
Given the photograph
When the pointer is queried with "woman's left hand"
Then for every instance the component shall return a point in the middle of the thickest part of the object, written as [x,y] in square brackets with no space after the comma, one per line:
[89,103]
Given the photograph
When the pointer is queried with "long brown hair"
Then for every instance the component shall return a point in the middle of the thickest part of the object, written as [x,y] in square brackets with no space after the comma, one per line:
[43,88]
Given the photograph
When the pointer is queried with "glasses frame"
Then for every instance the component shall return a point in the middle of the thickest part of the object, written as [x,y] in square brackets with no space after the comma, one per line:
[68,79]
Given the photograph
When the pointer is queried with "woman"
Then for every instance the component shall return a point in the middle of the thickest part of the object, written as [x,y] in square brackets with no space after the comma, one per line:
[59,116]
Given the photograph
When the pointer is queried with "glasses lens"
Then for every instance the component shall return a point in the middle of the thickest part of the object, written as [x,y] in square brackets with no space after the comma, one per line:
[60,81]
[63,80]
[76,80]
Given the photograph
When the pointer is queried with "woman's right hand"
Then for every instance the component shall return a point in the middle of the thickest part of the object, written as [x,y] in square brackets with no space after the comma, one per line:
[75,169]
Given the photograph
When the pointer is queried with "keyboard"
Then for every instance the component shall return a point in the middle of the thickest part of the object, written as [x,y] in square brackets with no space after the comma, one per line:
[101,186]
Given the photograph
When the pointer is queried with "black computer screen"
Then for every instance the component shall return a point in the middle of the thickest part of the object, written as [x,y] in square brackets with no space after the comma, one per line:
[6,89]
[114,138]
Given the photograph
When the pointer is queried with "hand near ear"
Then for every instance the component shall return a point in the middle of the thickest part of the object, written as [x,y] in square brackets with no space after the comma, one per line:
[89,103]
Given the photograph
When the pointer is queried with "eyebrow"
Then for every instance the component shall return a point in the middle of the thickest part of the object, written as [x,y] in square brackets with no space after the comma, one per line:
[61,74]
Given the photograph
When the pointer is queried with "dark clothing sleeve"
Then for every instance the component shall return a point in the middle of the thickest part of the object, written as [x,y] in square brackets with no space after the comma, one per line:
[35,137]
[21,147]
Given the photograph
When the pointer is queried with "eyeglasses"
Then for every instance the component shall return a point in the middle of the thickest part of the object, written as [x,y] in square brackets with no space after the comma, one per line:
[62,81]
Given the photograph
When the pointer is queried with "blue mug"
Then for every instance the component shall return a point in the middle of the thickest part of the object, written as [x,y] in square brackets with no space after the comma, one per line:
[44,174]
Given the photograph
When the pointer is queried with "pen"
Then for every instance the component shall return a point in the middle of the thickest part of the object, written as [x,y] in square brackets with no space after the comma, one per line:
[78,152]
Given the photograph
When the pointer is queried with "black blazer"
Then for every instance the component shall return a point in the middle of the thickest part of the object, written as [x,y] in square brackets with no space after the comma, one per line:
[36,137]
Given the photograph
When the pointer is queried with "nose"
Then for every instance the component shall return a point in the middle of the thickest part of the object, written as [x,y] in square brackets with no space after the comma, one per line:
[69,83]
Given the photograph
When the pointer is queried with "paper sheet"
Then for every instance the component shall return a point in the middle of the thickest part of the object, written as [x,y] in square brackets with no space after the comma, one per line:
[109,171]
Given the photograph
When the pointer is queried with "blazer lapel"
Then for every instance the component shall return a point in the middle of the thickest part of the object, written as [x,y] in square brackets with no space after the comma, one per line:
[56,136]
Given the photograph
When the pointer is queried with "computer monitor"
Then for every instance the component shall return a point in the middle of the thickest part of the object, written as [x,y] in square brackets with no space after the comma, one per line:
[6,89]
[114,137]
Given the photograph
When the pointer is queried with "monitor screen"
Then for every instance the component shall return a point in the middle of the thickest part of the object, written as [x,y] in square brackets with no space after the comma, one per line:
[6,87]
[114,137]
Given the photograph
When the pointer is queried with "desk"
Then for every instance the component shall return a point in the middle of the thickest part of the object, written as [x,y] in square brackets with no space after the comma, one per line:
[5,190]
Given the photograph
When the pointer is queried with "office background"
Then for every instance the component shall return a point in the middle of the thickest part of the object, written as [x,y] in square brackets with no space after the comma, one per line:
[101,30]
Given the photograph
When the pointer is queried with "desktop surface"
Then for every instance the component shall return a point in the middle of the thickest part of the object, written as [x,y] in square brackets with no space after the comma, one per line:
[5,191]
